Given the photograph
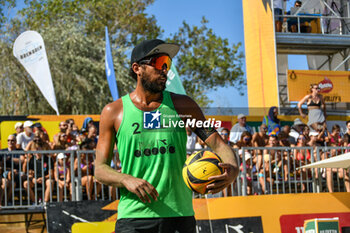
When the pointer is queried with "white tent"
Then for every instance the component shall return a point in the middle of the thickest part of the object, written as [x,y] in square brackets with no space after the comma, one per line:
[340,161]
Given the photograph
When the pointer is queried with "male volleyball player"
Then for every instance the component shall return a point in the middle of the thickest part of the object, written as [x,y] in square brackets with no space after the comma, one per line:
[152,147]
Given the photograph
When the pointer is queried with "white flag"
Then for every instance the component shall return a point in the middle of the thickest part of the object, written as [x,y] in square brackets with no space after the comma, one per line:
[29,49]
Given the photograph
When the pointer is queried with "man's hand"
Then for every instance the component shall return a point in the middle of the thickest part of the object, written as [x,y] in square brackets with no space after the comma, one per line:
[223,180]
[141,188]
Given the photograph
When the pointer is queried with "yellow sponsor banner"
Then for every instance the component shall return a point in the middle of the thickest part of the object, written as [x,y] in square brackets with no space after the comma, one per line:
[93,227]
[8,127]
[260,55]
[282,213]
[334,85]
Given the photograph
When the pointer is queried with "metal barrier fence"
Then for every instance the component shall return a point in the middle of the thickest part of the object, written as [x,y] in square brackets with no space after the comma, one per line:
[29,179]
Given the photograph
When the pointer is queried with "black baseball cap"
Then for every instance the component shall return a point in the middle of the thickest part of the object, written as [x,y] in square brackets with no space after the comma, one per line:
[152,47]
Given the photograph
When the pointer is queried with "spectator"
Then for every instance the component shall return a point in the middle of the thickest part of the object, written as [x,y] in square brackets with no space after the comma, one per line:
[25,137]
[69,132]
[296,130]
[191,140]
[348,131]
[86,167]
[38,127]
[239,128]
[11,174]
[4,185]
[245,141]
[314,102]
[278,10]
[272,164]
[302,157]
[272,122]
[92,135]
[345,141]
[37,143]
[87,123]
[306,132]
[283,139]
[60,142]
[248,165]
[224,133]
[293,27]
[74,143]
[287,129]
[313,139]
[19,128]
[63,126]
[62,174]
[260,139]
[334,139]
[73,133]
[37,164]
[321,138]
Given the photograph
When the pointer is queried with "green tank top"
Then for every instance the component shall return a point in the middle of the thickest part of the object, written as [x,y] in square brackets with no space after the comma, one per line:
[154,151]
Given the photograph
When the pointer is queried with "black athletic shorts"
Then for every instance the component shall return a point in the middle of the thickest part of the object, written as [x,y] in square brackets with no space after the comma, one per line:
[156,225]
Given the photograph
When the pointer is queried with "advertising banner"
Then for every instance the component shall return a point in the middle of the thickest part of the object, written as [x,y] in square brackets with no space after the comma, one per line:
[285,213]
[334,85]
[30,51]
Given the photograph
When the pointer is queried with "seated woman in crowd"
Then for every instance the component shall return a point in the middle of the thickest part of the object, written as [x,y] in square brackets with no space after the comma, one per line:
[271,167]
[301,158]
[248,170]
[60,142]
[86,167]
[35,165]
[225,135]
[335,140]
[306,132]
[245,141]
[62,174]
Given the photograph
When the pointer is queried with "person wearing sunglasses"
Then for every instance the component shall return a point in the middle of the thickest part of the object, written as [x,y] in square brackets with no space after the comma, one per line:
[11,175]
[225,135]
[315,104]
[154,197]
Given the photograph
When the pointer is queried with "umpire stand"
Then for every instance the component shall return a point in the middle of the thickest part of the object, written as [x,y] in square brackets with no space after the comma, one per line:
[319,29]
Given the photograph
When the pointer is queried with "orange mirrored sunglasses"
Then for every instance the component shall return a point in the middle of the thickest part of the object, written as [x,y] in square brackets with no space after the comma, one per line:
[160,63]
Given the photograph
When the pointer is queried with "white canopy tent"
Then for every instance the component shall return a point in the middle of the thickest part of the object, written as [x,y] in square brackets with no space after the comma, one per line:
[340,161]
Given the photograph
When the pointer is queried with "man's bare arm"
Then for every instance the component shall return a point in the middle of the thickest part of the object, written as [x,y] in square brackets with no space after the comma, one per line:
[104,173]
[186,106]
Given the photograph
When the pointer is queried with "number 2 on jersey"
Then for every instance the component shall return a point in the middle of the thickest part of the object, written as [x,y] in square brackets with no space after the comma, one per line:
[137,126]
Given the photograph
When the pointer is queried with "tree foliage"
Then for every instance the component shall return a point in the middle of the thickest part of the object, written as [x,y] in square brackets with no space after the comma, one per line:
[206,61]
[73,31]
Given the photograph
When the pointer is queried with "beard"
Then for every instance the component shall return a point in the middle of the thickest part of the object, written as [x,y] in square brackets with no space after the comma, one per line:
[152,86]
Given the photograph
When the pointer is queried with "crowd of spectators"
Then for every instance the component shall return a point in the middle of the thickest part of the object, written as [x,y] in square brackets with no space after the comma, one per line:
[20,166]
[282,149]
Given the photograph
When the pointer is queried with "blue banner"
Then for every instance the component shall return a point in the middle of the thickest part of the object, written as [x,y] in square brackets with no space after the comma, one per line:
[110,70]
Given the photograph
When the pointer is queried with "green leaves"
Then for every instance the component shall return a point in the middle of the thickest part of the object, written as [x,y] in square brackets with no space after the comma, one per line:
[206,61]
[73,32]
